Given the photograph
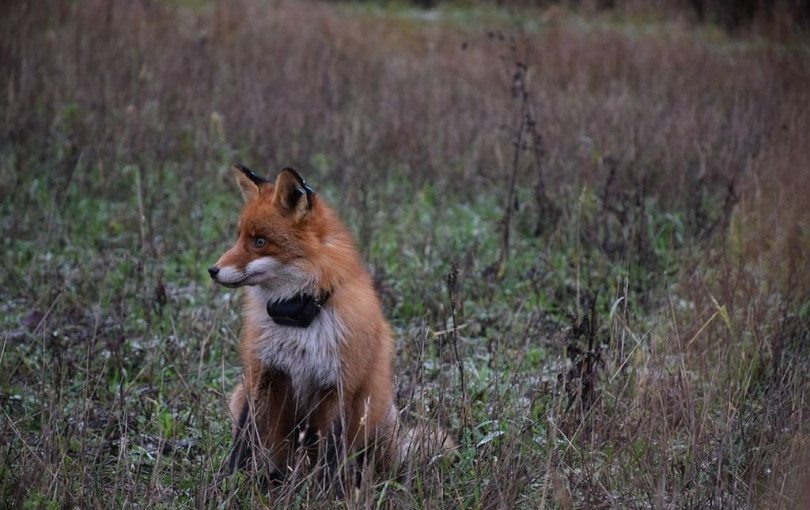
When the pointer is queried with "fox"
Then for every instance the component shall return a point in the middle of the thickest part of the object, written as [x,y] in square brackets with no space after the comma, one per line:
[316,350]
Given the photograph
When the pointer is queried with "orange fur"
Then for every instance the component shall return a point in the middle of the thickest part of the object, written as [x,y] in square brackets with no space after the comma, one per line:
[342,379]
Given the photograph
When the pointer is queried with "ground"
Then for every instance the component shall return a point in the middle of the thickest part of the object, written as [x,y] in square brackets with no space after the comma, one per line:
[589,230]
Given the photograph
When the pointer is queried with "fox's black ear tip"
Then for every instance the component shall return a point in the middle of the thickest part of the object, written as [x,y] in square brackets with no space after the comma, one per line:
[295,174]
[297,187]
[250,174]
[242,168]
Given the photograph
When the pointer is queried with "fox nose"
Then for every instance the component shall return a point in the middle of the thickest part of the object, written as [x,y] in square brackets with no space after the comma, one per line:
[213,271]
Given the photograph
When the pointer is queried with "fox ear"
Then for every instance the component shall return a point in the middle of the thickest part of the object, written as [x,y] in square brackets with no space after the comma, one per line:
[293,194]
[248,182]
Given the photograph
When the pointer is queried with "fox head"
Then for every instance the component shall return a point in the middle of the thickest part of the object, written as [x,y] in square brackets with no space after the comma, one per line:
[279,236]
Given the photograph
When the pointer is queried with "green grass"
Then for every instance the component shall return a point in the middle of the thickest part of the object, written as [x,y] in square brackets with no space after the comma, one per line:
[644,346]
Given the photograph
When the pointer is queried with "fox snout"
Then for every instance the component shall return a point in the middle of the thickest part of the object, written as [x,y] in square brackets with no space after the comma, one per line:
[233,276]
[221,276]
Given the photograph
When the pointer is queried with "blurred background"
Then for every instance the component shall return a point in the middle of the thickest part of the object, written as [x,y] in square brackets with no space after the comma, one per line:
[587,220]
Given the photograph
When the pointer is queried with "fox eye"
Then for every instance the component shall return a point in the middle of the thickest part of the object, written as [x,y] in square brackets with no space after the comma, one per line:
[260,242]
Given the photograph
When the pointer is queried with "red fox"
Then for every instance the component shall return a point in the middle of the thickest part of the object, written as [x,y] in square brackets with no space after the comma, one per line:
[316,350]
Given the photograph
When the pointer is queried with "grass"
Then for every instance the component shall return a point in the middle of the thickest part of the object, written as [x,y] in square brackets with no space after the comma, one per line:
[641,340]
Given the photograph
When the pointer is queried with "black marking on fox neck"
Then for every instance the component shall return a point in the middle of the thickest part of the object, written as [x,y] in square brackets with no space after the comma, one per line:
[258,181]
[298,311]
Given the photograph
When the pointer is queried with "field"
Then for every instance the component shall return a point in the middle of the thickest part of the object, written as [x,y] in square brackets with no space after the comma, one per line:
[590,230]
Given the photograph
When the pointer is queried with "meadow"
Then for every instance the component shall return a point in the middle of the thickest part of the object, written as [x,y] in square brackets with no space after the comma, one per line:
[589,228]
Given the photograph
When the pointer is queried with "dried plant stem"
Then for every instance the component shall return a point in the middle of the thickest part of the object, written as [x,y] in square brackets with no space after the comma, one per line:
[452,278]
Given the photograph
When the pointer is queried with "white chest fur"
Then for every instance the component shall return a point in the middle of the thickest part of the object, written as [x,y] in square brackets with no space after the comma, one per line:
[310,356]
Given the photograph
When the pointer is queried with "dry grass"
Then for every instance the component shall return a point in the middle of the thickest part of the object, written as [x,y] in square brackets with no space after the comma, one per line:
[645,345]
